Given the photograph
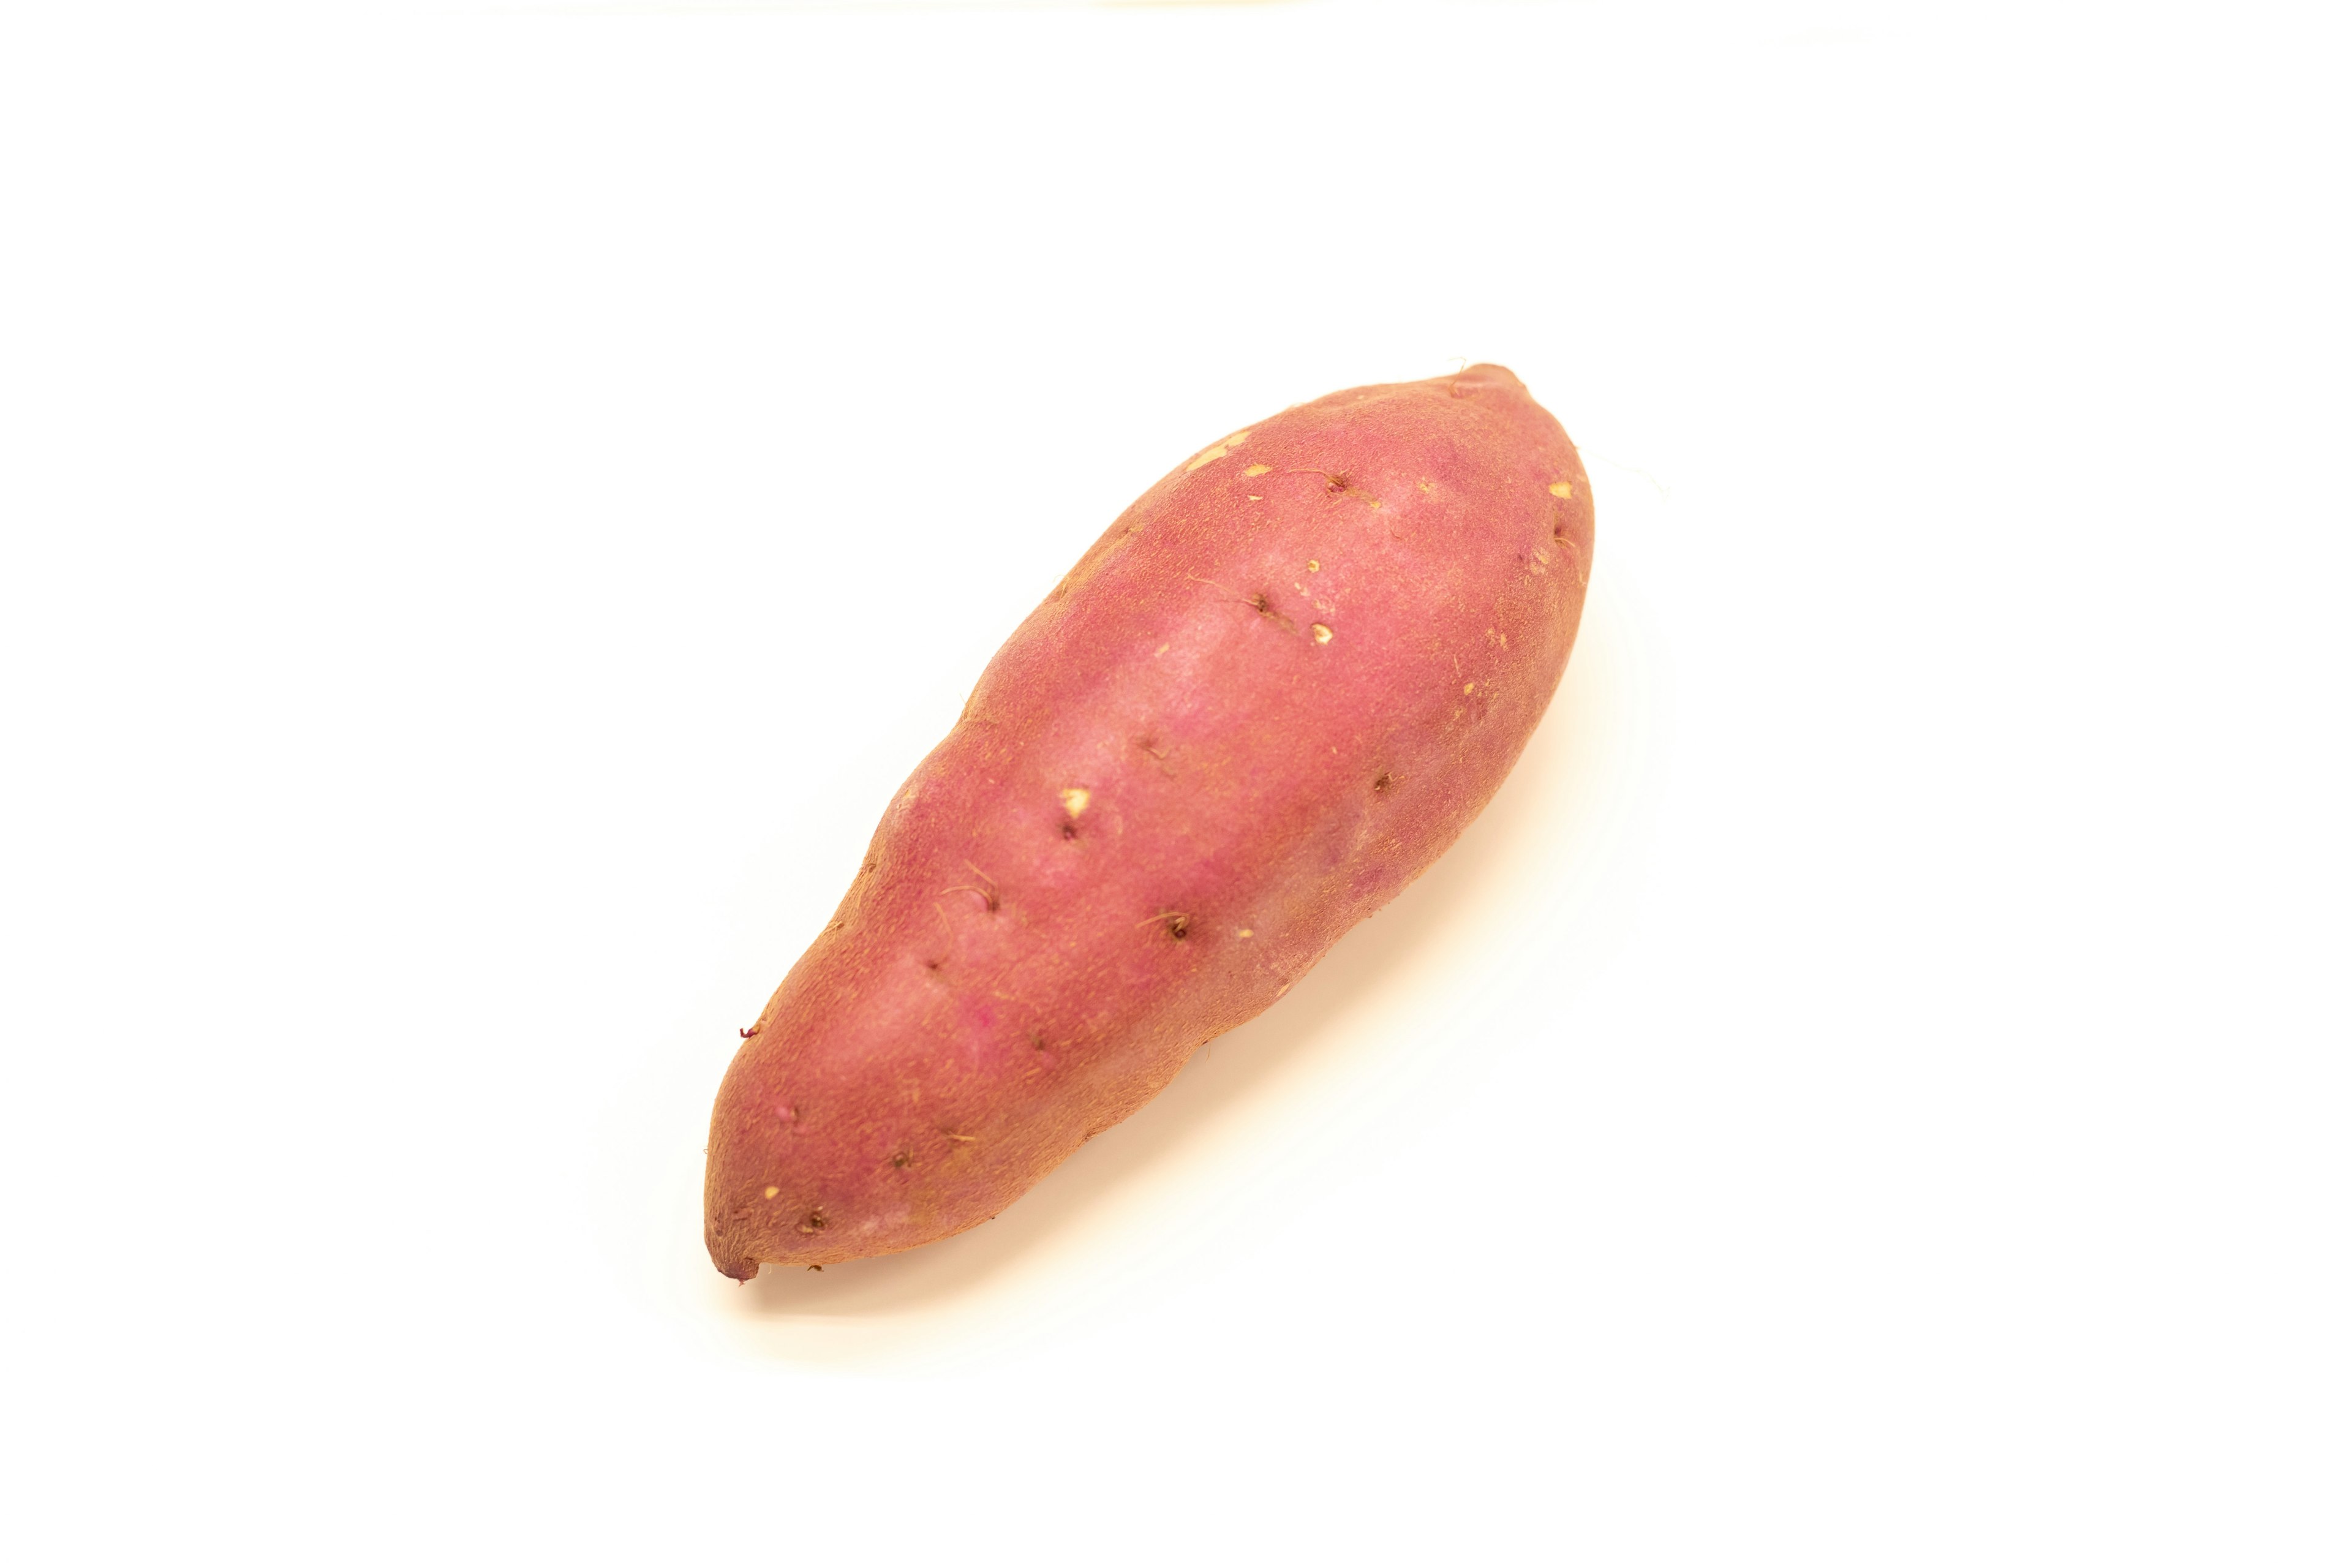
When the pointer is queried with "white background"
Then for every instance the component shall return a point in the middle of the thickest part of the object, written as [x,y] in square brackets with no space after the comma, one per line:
[494,500]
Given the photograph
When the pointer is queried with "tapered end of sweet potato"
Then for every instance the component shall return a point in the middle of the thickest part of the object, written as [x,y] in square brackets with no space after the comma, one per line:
[732,1261]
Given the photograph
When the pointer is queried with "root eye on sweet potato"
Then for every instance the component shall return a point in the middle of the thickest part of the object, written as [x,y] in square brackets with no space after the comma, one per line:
[1264,700]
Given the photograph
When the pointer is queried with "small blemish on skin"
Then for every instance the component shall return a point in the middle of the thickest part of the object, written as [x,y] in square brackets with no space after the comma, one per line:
[899,1159]
[1314,566]
[1074,801]
[812,1222]
[1218,450]
[1381,785]
[1425,486]
[774,1191]
[1563,489]
[1322,632]
[1254,469]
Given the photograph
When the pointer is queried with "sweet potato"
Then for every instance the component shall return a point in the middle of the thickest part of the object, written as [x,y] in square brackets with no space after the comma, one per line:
[1264,700]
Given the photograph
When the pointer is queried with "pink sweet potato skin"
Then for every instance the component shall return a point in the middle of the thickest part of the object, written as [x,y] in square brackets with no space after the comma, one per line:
[1268,698]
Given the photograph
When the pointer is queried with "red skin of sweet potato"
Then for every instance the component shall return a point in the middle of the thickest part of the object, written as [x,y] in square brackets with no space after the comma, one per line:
[1268,697]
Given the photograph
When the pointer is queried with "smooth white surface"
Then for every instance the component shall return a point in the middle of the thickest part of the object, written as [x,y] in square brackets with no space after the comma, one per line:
[494,502]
